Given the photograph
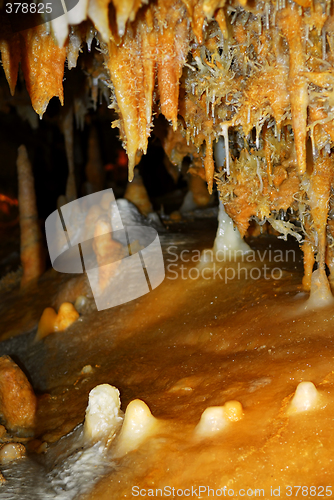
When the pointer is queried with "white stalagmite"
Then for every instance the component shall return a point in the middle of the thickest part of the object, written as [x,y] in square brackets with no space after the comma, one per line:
[103,415]
[213,420]
[306,398]
[138,424]
[216,418]
[321,295]
[228,238]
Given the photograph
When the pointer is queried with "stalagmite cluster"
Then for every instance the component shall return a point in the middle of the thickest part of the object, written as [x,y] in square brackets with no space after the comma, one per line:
[51,322]
[259,74]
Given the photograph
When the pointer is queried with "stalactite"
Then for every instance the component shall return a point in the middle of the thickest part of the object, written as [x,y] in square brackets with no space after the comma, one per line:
[126,10]
[10,58]
[98,13]
[172,47]
[267,154]
[309,260]
[320,186]
[126,69]
[227,148]
[43,67]
[292,26]
[174,57]
[209,164]
[330,251]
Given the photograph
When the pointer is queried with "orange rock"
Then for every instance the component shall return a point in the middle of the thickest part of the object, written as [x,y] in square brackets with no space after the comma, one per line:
[42,66]
[17,399]
[51,322]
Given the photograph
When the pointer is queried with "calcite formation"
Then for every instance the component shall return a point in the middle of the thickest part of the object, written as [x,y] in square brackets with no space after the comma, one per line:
[10,452]
[257,74]
[51,322]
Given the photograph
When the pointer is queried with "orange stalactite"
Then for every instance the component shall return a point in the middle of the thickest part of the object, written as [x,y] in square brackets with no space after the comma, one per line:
[292,26]
[126,10]
[319,193]
[209,164]
[126,70]
[144,53]
[308,251]
[98,12]
[10,57]
[172,51]
[43,67]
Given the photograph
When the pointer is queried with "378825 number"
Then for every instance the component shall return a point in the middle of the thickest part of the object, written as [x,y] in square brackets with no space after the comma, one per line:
[308,491]
[25,8]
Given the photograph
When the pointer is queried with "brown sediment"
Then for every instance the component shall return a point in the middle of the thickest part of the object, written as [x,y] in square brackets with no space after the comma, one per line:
[32,248]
